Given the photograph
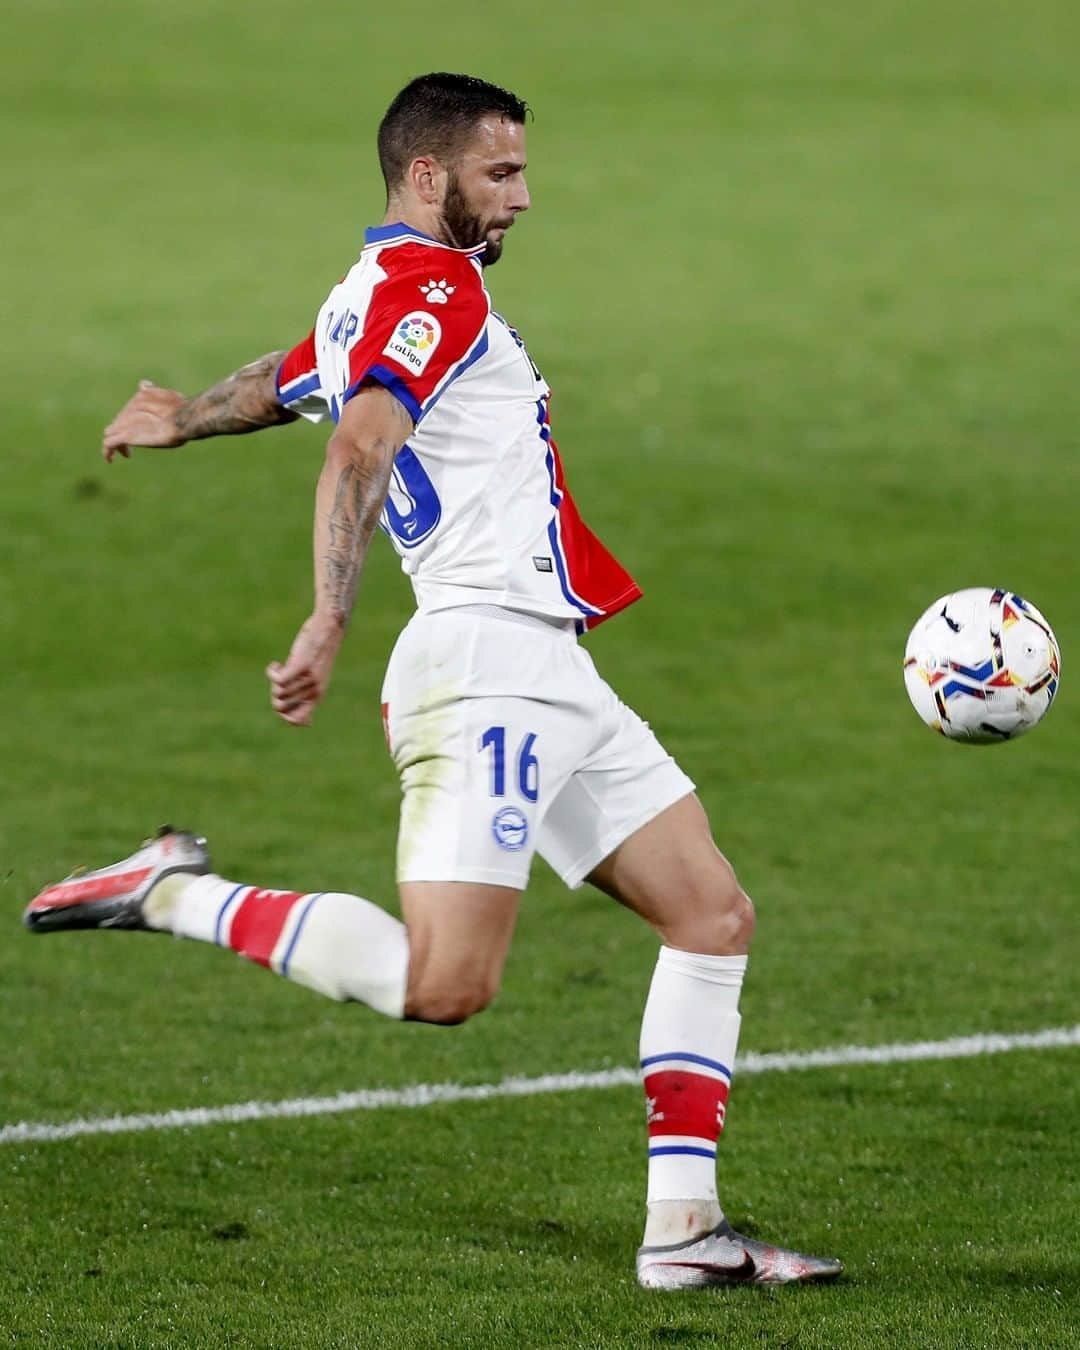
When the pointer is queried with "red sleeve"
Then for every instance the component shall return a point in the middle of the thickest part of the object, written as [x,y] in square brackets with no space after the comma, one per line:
[426,324]
[298,386]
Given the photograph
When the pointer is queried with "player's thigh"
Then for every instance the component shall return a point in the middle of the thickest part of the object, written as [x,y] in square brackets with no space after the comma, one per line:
[671,873]
[459,935]
[481,744]
[615,792]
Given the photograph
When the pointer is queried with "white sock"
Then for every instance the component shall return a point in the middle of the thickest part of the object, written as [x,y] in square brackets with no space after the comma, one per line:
[341,945]
[689,1035]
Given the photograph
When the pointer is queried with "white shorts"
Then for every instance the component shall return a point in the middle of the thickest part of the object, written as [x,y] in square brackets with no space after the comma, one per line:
[509,743]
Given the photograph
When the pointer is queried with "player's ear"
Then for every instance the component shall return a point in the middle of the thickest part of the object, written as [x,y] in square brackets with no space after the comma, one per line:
[428,179]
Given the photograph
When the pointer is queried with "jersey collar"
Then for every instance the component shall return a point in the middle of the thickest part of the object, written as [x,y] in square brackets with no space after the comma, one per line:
[399,233]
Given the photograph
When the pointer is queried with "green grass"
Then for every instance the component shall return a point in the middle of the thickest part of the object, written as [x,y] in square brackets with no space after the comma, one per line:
[805,285]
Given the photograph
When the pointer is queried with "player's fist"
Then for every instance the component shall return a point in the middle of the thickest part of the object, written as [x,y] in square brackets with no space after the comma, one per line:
[149,418]
[298,686]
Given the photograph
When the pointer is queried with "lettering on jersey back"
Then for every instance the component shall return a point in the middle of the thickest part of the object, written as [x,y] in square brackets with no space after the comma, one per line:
[414,340]
[343,330]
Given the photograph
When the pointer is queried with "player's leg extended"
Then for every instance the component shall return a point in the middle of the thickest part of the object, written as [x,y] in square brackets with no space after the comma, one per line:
[671,873]
[464,849]
[442,964]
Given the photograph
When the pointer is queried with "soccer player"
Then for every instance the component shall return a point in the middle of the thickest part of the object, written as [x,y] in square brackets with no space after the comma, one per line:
[506,739]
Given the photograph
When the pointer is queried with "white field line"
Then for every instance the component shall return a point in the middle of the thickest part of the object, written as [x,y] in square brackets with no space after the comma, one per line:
[431,1094]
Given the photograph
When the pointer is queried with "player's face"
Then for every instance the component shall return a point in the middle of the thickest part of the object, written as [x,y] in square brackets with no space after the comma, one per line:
[486,189]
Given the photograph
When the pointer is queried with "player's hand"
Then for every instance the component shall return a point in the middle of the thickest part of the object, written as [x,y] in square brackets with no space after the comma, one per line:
[298,686]
[147,419]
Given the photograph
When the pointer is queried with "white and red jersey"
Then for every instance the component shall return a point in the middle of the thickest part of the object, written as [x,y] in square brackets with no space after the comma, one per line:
[478,506]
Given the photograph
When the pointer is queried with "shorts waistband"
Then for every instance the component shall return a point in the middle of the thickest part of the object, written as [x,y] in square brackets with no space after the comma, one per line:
[547,622]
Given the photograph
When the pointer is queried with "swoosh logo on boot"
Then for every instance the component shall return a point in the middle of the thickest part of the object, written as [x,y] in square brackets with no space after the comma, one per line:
[746,1271]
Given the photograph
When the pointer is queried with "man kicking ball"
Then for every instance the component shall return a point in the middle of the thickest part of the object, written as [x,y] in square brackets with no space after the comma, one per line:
[506,739]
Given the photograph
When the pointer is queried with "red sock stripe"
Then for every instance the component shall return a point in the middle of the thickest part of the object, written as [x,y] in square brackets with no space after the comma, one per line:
[685,1103]
[257,923]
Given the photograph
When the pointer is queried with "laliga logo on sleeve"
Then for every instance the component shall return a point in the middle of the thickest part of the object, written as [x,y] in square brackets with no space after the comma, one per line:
[414,340]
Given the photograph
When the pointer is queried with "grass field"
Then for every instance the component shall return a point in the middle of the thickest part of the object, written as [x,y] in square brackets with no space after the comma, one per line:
[805,283]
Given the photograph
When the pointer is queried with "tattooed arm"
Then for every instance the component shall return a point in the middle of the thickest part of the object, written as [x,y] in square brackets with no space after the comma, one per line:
[246,401]
[348,502]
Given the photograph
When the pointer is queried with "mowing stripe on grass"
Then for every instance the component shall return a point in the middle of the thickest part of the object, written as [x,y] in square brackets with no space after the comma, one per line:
[432,1094]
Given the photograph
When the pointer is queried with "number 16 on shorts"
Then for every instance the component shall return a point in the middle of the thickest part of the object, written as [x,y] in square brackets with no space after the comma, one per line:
[510,825]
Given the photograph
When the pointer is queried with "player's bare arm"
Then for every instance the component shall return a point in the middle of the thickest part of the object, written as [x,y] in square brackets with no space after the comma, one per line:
[349,499]
[163,418]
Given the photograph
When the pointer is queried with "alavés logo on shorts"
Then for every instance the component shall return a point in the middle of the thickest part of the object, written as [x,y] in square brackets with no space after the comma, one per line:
[510,828]
[414,340]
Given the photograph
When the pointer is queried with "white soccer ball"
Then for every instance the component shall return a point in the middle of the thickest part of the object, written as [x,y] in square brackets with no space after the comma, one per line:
[982,665]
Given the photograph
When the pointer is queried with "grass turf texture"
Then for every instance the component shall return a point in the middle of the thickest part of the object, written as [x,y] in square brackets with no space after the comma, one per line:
[805,287]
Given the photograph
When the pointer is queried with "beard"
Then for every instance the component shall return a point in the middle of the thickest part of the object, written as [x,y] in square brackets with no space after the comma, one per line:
[492,252]
[464,228]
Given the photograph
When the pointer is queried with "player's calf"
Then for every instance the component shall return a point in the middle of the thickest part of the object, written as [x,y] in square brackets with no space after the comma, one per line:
[447,985]
[459,935]
[447,1005]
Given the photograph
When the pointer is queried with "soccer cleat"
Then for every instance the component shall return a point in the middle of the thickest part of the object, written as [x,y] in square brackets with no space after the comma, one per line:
[724,1257]
[112,897]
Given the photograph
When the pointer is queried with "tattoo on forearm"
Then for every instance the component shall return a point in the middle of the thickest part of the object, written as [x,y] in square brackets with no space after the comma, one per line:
[359,495]
[246,401]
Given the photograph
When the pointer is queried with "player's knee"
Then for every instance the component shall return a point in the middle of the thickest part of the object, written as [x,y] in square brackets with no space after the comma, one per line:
[719,918]
[449,1003]
[736,918]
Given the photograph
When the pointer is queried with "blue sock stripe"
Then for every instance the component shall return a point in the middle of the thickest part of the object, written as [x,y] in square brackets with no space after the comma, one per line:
[296,935]
[221,912]
[682,1148]
[690,1059]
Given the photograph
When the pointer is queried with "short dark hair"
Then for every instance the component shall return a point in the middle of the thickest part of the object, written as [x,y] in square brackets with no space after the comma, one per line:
[434,115]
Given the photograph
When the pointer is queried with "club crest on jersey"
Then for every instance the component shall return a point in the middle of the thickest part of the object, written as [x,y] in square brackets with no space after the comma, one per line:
[510,828]
[437,292]
[414,340]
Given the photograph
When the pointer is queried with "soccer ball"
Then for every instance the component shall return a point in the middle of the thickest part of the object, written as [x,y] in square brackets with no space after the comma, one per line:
[982,665]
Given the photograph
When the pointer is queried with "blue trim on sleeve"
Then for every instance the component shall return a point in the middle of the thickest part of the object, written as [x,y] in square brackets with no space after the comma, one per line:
[391,380]
[690,1059]
[682,1148]
[399,387]
[299,389]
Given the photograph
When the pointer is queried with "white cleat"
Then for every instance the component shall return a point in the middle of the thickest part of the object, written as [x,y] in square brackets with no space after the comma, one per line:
[724,1257]
[112,897]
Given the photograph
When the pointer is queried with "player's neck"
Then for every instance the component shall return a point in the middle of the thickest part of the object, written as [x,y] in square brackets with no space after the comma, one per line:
[416,217]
